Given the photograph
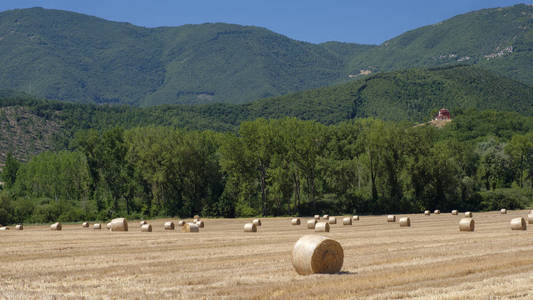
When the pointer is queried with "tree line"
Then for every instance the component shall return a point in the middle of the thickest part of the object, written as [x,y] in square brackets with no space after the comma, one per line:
[481,161]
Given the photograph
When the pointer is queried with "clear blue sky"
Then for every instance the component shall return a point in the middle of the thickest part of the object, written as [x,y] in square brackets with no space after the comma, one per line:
[369,21]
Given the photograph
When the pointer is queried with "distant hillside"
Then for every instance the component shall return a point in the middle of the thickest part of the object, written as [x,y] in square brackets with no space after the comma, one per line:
[68,56]
[412,95]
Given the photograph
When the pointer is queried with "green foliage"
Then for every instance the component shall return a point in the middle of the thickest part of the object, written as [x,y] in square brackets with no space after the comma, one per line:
[9,172]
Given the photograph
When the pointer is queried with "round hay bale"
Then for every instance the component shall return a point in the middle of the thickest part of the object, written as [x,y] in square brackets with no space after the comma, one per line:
[295,221]
[405,222]
[169,225]
[503,211]
[197,217]
[146,228]
[427,212]
[436,211]
[250,227]
[108,225]
[317,254]
[142,223]
[311,224]
[85,225]
[322,227]
[468,214]
[466,224]
[518,224]
[55,226]
[332,220]
[355,218]
[4,228]
[455,212]
[119,224]
[530,218]
[325,217]
[257,222]
[190,227]
[97,226]
[391,218]
[317,217]
[19,227]
[200,223]
[195,220]
[347,221]
[181,223]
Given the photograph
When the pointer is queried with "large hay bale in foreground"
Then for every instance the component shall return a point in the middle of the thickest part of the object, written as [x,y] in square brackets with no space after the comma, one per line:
[530,218]
[85,225]
[455,212]
[257,222]
[468,214]
[317,217]
[317,254]
[427,213]
[119,224]
[355,218]
[466,224]
[190,227]
[391,218]
[436,211]
[169,225]
[181,223]
[97,226]
[56,226]
[4,228]
[295,221]
[518,224]
[311,224]
[322,227]
[347,221]
[250,227]
[503,211]
[332,220]
[199,223]
[19,227]
[146,228]
[405,222]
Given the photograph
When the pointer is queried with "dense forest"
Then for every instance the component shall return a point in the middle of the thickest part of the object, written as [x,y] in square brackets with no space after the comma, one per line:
[482,160]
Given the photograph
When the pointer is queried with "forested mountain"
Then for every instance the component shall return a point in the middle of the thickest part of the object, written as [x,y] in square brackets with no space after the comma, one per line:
[68,56]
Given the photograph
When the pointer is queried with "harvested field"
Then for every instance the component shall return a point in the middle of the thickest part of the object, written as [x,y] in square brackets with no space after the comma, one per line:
[431,259]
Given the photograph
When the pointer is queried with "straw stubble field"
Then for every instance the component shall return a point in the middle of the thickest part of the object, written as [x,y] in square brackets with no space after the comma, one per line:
[430,259]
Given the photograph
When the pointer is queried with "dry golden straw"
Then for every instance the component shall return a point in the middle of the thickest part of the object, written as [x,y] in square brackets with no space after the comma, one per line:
[181,223]
[195,220]
[322,227]
[169,225]
[311,224]
[19,227]
[190,227]
[518,224]
[427,212]
[317,254]
[468,214]
[466,224]
[436,211]
[142,223]
[250,227]
[119,224]
[295,221]
[391,218]
[197,217]
[146,228]
[4,228]
[317,217]
[347,221]
[108,225]
[355,218]
[55,226]
[332,220]
[257,222]
[199,223]
[503,211]
[455,212]
[97,226]
[325,217]
[85,225]
[530,218]
[405,222]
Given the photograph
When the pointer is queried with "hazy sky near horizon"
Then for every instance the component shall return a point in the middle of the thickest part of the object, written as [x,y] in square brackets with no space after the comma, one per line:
[367,22]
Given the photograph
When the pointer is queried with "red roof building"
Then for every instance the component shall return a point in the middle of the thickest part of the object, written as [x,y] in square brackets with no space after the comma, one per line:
[443,114]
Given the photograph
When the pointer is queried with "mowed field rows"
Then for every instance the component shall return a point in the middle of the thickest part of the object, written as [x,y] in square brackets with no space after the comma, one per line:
[430,259]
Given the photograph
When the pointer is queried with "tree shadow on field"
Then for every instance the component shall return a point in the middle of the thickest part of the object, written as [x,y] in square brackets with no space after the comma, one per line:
[345,273]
